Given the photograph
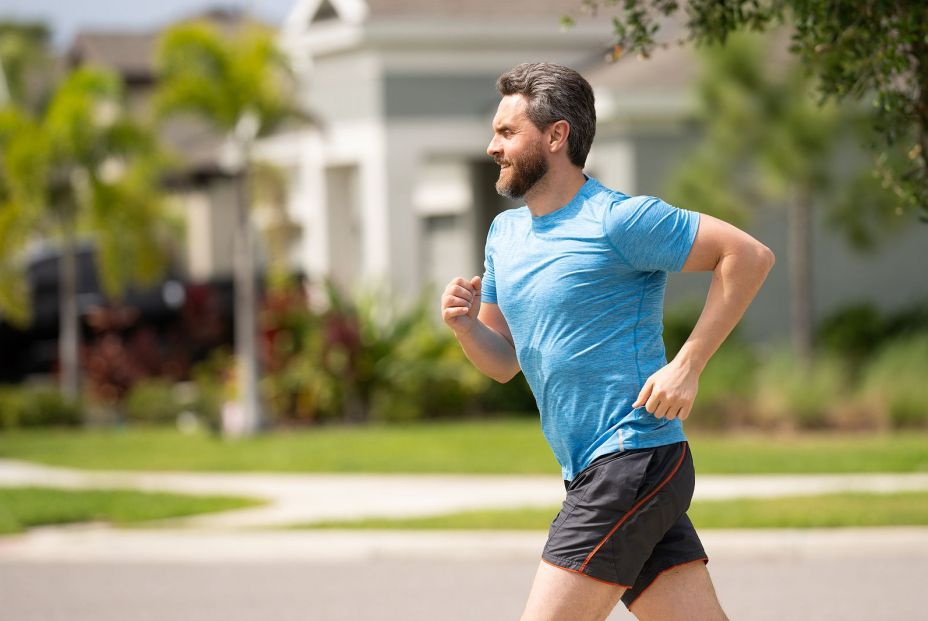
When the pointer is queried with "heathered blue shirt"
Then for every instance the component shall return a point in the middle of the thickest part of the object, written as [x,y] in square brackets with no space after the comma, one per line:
[582,289]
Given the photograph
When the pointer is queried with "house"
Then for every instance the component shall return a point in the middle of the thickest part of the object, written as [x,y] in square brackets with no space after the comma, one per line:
[392,187]
[395,187]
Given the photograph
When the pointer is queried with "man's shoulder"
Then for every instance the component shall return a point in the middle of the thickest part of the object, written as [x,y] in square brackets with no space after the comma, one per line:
[508,218]
[603,195]
[617,204]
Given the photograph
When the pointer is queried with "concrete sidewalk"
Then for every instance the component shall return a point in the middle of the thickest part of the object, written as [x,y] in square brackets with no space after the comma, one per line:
[295,498]
[90,543]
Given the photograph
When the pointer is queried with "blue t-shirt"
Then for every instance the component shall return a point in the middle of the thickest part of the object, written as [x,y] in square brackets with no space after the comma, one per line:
[582,289]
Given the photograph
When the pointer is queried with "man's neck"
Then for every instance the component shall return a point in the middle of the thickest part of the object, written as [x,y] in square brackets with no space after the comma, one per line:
[554,190]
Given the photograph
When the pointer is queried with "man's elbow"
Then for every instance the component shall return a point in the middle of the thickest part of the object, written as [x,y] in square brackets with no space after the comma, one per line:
[766,257]
[502,378]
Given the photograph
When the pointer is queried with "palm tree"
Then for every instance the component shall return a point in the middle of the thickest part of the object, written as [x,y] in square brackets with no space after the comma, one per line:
[237,85]
[26,65]
[82,165]
[23,157]
[24,57]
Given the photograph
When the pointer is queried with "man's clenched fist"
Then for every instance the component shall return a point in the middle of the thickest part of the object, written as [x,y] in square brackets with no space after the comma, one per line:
[460,304]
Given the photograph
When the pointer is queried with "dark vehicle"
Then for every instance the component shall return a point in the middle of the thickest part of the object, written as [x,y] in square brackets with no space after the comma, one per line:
[164,327]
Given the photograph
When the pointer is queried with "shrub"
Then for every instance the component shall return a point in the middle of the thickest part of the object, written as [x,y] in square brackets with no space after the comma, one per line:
[854,331]
[426,375]
[36,406]
[895,384]
[152,401]
[415,369]
[790,394]
[857,331]
[726,387]
[361,358]
[678,323]
[211,387]
[909,321]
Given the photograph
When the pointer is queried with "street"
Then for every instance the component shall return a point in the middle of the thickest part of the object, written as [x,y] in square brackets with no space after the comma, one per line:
[758,576]
[413,590]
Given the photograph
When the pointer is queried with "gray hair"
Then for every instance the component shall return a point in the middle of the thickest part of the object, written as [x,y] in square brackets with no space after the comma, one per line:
[555,93]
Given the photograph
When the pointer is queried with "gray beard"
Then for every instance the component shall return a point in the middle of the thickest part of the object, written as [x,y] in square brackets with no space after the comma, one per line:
[525,173]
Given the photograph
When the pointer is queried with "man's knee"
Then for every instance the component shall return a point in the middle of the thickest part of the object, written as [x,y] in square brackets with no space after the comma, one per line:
[683,593]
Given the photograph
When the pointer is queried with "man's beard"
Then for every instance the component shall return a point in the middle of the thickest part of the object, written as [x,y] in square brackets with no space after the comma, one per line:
[524,173]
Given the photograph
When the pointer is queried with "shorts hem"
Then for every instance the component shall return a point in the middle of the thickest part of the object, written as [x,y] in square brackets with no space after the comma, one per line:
[703,558]
[578,571]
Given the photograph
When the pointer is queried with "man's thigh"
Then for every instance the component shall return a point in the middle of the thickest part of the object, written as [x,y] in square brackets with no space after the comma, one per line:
[683,593]
[559,594]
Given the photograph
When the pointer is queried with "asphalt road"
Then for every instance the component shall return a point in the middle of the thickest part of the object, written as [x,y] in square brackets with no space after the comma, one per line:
[751,589]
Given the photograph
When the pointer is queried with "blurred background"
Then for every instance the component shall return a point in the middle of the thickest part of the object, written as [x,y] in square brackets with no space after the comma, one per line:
[229,223]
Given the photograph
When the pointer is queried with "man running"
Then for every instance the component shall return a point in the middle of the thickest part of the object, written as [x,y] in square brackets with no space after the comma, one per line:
[572,295]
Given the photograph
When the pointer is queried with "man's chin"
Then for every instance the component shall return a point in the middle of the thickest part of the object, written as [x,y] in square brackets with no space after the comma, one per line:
[503,185]
[504,189]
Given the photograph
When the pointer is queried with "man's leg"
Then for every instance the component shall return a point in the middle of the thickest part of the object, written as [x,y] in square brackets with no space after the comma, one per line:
[682,593]
[559,595]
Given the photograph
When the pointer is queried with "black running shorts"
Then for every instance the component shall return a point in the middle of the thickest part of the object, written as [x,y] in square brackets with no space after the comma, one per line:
[624,518]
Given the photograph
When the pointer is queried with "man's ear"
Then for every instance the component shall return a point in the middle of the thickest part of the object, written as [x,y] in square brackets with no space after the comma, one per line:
[557,136]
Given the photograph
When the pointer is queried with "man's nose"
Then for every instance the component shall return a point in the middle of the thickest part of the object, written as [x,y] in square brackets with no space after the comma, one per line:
[492,148]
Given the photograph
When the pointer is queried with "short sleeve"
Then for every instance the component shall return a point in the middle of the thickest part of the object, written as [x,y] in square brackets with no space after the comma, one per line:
[649,234]
[488,282]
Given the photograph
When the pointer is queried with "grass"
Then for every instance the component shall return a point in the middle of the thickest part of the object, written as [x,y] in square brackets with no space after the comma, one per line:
[25,507]
[508,446]
[827,511]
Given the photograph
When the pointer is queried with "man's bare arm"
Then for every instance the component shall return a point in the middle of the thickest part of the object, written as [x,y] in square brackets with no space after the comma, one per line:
[481,329]
[740,265]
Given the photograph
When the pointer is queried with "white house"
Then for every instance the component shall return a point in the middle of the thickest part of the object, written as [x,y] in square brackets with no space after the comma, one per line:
[395,186]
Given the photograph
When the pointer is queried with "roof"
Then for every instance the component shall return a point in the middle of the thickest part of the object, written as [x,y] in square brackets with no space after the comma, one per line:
[129,53]
[485,9]
[671,67]
[132,54]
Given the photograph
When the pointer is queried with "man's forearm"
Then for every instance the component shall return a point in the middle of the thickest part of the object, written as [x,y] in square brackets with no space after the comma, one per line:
[490,352]
[736,279]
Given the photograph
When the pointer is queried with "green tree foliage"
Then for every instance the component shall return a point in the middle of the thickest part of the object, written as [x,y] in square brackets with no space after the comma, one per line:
[25,64]
[108,164]
[768,141]
[81,164]
[24,156]
[220,78]
[237,83]
[857,49]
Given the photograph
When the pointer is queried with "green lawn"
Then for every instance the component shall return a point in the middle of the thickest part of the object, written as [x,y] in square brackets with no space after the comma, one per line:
[829,511]
[511,446]
[24,507]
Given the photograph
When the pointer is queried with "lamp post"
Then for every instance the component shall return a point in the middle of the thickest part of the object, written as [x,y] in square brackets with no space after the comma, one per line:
[245,417]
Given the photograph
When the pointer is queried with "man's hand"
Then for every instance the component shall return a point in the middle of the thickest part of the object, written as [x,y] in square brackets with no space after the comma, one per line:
[670,392]
[460,304]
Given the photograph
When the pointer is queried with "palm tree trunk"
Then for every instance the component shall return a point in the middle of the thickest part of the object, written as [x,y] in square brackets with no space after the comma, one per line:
[246,343]
[800,275]
[68,320]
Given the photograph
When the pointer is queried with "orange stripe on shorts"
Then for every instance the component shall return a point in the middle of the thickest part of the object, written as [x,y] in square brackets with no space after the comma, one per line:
[635,508]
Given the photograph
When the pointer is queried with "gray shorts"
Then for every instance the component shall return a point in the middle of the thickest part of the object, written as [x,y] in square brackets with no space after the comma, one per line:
[624,519]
